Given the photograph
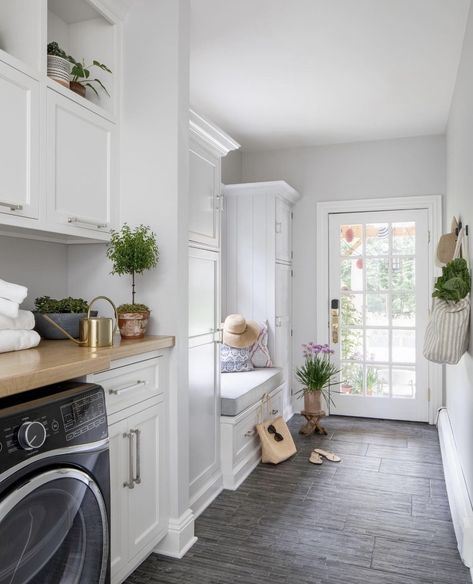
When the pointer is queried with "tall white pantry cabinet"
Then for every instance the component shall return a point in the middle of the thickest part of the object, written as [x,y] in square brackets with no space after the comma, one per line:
[207,144]
[257,251]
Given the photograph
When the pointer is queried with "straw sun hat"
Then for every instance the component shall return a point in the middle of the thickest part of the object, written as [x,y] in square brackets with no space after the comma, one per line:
[447,243]
[238,332]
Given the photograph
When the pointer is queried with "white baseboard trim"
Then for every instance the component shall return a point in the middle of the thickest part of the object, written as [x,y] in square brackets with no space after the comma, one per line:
[459,501]
[201,500]
[180,537]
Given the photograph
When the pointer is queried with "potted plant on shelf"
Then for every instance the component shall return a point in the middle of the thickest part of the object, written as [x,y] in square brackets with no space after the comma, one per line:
[67,313]
[132,251]
[58,64]
[80,74]
[317,376]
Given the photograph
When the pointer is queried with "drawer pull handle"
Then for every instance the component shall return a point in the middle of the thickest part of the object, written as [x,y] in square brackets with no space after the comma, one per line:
[274,412]
[250,433]
[121,390]
[87,222]
[11,206]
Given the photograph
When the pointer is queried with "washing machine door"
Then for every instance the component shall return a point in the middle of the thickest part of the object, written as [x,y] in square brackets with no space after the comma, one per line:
[54,530]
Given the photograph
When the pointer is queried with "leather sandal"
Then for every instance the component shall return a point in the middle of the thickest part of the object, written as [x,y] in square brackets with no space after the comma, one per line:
[315,458]
[328,455]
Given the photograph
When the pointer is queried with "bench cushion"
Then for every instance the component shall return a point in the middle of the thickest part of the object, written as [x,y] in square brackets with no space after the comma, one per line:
[241,390]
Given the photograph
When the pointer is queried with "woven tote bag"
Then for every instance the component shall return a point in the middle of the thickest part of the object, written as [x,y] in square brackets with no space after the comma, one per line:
[448,333]
[274,451]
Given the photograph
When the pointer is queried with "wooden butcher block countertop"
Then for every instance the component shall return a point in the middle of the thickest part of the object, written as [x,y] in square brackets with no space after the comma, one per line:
[54,361]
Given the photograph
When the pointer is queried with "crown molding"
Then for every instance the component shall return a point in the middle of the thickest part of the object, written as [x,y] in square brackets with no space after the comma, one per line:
[275,187]
[211,134]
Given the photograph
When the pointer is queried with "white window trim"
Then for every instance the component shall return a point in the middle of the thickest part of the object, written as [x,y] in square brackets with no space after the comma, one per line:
[433,205]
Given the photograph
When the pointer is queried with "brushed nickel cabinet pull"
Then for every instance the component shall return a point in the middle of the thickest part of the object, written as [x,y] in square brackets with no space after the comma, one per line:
[137,433]
[121,390]
[250,433]
[11,206]
[130,484]
[274,412]
[87,222]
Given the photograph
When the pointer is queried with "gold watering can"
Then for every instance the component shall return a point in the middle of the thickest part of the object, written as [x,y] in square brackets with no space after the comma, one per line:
[94,331]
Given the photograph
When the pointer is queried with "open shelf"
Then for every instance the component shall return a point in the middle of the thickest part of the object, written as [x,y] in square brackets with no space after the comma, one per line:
[20,35]
[86,34]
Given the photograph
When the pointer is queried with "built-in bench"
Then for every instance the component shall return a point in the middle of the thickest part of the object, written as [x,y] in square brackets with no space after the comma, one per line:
[240,408]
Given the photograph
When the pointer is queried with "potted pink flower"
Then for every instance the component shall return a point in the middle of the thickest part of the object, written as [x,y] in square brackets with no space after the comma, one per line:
[317,375]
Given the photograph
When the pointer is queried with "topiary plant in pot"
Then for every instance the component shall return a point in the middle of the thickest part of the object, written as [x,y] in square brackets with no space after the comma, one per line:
[67,313]
[132,251]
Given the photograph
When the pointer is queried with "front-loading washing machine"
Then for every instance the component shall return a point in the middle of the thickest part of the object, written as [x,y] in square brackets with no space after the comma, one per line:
[55,486]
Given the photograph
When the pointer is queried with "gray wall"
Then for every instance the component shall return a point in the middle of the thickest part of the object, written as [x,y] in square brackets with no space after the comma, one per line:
[38,265]
[232,167]
[459,378]
[412,166]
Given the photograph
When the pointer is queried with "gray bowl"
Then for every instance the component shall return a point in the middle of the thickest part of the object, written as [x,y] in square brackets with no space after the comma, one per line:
[69,321]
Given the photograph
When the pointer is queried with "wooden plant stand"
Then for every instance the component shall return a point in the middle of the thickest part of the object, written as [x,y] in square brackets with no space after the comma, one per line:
[313,423]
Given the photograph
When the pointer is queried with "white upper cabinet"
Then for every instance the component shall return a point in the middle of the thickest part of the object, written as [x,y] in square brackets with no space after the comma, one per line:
[19,144]
[204,200]
[59,151]
[283,230]
[80,179]
[208,144]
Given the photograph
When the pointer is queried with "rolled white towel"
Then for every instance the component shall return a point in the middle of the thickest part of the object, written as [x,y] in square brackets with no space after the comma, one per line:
[9,308]
[18,340]
[13,292]
[24,321]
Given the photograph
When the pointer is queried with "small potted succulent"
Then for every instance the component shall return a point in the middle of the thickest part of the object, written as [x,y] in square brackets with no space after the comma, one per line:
[59,66]
[132,251]
[80,74]
[67,313]
[317,375]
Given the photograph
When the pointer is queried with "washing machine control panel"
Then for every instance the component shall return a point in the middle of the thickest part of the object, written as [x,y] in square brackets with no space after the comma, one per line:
[74,416]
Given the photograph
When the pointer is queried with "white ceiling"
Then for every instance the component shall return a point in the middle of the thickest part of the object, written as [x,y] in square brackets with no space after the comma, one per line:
[279,73]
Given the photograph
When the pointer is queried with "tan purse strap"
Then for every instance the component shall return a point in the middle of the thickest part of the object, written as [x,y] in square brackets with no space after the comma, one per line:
[265,401]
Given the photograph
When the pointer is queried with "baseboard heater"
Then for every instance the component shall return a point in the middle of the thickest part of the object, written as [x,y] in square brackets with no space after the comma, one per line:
[458,498]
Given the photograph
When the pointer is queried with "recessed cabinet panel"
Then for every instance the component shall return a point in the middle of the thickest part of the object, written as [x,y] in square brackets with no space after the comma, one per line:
[118,496]
[19,144]
[80,165]
[283,231]
[204,417]
[204,212]
[203,287]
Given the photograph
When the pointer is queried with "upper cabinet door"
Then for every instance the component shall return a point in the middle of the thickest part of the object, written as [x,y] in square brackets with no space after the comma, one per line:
[19,144]
[204,203]
[283,231]
[80,168]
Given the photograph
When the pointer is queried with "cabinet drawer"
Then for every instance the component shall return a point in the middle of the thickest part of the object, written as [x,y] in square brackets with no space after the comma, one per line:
[130,384]
[245,434]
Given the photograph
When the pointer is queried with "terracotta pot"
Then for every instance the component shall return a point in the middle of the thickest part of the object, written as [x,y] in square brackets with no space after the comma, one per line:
[313,401]
[77,87]
[133,325]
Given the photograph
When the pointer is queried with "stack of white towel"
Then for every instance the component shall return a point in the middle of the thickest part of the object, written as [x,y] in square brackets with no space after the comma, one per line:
[16,325]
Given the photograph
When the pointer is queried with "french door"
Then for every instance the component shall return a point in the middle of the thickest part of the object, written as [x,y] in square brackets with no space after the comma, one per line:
[379,293]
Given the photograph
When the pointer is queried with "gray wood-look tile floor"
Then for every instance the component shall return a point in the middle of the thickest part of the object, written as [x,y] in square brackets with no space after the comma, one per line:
[381,516]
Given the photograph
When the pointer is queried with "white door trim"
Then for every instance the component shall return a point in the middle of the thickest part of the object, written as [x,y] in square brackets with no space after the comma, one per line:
[433,205]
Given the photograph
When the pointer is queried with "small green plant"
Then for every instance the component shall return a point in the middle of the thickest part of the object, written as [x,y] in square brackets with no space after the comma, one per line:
[454,283]
[80,73]
[318,371]
[55,50]
[132,251]
[132,308]
[48,305]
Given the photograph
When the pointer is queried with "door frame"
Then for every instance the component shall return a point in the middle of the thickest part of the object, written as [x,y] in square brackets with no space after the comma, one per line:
[433,205]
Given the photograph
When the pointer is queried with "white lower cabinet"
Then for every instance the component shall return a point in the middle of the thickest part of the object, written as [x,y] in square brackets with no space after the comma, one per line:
[136,415]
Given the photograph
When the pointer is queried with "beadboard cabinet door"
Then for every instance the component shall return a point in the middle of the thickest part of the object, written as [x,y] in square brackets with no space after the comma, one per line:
[81,178]
[19,144]
[204,197]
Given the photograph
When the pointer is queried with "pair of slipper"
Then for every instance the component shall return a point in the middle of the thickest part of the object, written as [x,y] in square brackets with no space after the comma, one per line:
[317,456]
